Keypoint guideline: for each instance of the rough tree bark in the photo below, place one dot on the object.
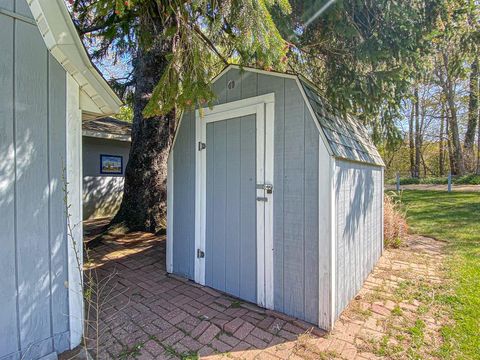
(478, 150)
(472, 118)
(144, 200)
(456, 153)
(451, 159)
(418, 135)
(441, 150)
(411, 142)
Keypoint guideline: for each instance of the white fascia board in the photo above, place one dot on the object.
(62, 40)
(108, 136)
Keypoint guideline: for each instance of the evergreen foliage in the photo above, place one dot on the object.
(203, 34)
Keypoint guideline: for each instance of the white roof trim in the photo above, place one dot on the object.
(62, 40)
(104, 135)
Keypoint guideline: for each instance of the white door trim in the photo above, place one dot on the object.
(263, 107)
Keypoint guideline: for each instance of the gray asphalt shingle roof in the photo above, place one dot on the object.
(346, 136)
(108, 125)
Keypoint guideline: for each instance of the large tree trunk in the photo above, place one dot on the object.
(144, 200)
(472, 118)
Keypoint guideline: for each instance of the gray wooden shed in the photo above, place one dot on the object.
(47, 85)
(274, 198)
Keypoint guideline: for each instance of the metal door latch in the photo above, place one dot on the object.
(201, 146)
(264, 199)
(200, 254)
(267, 187)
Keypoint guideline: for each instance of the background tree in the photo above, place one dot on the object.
(173, 48)
(473, 119)
(402, 68)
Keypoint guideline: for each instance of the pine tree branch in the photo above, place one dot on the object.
(198, 31)
(100, 26)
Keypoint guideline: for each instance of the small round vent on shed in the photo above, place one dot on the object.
(231, 84)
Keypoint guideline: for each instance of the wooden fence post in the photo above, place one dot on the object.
(398, 181)
(449, 181)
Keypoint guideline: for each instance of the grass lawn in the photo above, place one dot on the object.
(454, 218)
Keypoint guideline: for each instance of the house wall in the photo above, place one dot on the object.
(359, 233)
(102, 194)
(295, 195)
(34, 304)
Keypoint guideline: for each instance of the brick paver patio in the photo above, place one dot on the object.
(148, 314)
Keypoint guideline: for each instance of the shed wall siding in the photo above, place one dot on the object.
(33, 260)
(359, 196)
(184, 195)
(102, 194)
(296, 149)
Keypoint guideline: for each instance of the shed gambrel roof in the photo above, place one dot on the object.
(347, 137)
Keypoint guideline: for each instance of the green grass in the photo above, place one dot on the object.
(454, 218)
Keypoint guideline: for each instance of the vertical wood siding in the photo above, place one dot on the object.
(230, 257)
(33, 260)
(296, 149)
(358, 194)
(184, 195)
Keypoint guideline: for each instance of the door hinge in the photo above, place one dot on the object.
(200, 254)
(201, 146)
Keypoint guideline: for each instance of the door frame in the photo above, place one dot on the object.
(263, 107)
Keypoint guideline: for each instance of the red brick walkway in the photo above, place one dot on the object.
(148, 314)
(151, 315)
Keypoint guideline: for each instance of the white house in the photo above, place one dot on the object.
(47, 86)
